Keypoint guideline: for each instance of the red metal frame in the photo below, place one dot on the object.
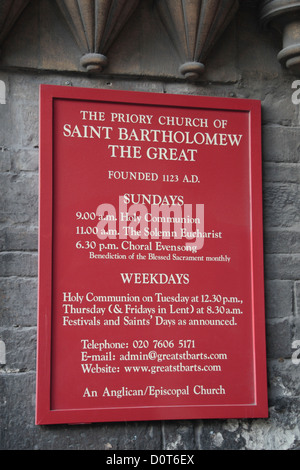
(46, 412)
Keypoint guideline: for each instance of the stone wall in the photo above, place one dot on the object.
(243, 66)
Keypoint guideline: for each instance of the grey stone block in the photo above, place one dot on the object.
(243, 65)
(284, 267)
(281, 240)
(20, 346)
(25, 159)
(279, 338)
(19, 202)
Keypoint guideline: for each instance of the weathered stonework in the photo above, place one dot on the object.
(194, 27)
(284, 15)
(95, 26)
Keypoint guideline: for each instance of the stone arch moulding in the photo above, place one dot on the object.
(194, 26)
(95, 25)
(10, 10)
(284, 16)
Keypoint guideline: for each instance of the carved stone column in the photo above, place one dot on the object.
(95, 25)
(284, 15)
(194, 26)
(10, 11)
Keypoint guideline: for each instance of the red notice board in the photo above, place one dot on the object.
(151, 292)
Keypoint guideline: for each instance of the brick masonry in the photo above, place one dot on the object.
(251, 70)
